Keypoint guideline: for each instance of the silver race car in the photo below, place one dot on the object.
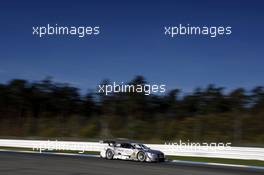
(127, 150)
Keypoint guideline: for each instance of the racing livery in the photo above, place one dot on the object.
(127, 150)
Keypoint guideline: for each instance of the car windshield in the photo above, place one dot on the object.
(141, 146)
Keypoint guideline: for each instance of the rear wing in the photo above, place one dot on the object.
(116, 141)
(109, 142)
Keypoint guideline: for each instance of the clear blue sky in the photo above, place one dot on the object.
(132, 43)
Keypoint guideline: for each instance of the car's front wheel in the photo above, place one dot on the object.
(109, 154)
(141, 156)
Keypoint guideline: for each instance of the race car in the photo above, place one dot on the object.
(127, 150)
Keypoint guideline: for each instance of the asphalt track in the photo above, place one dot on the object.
(38, 164)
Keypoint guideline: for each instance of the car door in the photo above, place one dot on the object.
(125, 149)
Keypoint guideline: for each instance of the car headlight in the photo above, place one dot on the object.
(152, 155)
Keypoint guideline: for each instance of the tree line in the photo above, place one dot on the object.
(50, 109)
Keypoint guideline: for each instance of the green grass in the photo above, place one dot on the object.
(15, 148)
(185, 158)
(218, 160)
(75, 152)
(57, 151)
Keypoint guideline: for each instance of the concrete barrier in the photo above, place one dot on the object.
(175, 150)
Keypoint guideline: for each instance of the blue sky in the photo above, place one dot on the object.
(132, 42)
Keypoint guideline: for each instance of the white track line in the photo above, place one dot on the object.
(217, 164)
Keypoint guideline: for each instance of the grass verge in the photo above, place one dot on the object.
(218, 160)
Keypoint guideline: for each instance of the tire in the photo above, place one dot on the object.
(141, 156)
(109, 154)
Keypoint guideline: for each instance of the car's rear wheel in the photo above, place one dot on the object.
(141, 156)
(109, 154)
